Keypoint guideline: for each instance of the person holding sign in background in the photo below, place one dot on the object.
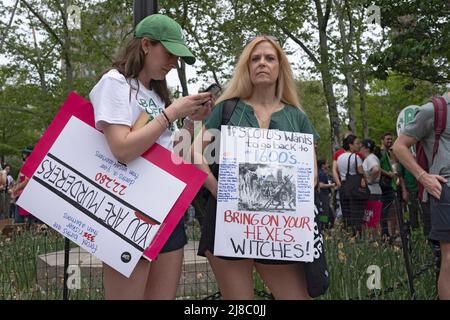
(133, 109)
(266, 98)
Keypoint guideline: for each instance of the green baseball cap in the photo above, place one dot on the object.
(167, 31)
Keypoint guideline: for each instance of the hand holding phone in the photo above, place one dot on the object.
(214, 89)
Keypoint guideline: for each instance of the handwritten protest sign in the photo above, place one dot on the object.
(117, 212)
(265, 204)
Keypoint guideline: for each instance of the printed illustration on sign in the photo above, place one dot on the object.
(267, 188)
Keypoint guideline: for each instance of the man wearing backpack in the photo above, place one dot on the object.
(431, 126)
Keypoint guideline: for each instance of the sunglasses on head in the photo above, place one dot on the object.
(271, 38)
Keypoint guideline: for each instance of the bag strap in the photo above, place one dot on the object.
(440, 122)
(348, 163)
(228, 110)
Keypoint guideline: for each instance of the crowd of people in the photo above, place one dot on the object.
(6, 186)
(10, 191)
(386, 180)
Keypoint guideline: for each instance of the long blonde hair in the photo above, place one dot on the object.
(240, 86)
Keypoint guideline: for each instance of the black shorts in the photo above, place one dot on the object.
(440, 216)
(209, 231)
(177, 239)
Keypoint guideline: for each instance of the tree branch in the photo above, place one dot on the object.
(44, 22)
(204, 53)
(319, 14)
(14, 109)
(8, 26)
(327, 12)
(351, 31)
(300, 43)
(279, 24)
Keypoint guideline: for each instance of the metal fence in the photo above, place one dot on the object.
(36, 262)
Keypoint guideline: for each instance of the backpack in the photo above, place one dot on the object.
(201, 199)
(440, 122)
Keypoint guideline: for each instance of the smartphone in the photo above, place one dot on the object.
(214, 89)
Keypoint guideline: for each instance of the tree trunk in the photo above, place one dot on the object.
(66, 50)
(38, 65)
(181, 70)
(347, 69)
(324, 69)
(362, 82)
(362, 102)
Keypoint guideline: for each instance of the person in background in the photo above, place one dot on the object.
(21, 215)
(410, 189)
(352, 209)
(5, 190)
(372, 170)
(326, 187)
(387, 184)
(436, 182)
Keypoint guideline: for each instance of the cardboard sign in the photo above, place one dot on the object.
(117, 212)
(265, 201)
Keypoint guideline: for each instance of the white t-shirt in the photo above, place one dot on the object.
(369, 162)
(115, 104)
(342, 162)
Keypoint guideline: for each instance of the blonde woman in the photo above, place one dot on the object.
(264, 86)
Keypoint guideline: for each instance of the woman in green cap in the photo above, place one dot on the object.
(136, 87)
(266, 97)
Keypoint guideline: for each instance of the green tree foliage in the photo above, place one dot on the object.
(419, 40)
(313, 102)
(47, 59)
(386, 98)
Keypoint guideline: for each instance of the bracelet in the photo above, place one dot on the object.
(162, 121)
(164, 118)
(165, 115)
(420, 175)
